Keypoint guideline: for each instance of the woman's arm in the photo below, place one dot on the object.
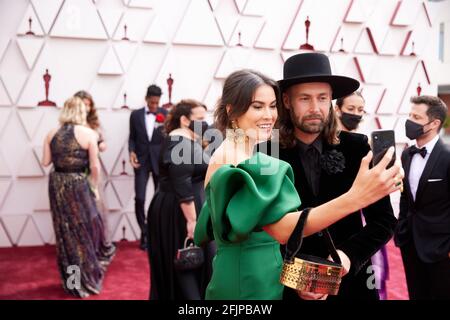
(94, 162)
(188, 209)
(47, 154)
(369, 186)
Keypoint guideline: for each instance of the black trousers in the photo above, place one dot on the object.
(141, 176)
(425, 280)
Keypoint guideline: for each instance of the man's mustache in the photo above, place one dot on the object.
(313, 117)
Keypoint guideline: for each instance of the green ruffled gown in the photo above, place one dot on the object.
(240, 200)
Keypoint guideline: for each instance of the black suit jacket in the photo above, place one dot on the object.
(146, 150)
(357, 242)
(426, 221)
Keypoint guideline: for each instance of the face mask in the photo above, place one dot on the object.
(198, 127)
(350, 121)
(414, 130)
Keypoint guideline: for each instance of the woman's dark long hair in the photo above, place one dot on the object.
(238, 91)
(92, 116)
(182, 108)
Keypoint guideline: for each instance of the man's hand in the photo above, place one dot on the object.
(345, 261)
(134, 160)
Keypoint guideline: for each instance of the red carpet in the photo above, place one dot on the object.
(28, 273)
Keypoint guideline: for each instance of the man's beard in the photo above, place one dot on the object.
(307, 127)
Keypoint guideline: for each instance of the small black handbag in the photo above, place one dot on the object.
(310, 273)
(189, 257)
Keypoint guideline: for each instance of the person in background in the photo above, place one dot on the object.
(350, 112)
(93, 122)
(174, 208)
(423, 232)
(78, 226)
(144, 144)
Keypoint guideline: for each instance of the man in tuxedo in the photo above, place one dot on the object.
(325, 164)
(144, 144)
(423, 231)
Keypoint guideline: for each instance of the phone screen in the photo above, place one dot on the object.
(382, 140)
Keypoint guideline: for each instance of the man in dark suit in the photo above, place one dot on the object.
(144, 144)
(423, 232)
(325, 164)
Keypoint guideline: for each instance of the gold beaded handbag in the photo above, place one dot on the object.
(310, 273)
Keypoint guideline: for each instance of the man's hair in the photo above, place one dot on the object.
(153, 91)
(437, 109)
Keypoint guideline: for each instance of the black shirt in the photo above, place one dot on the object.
(310, 158)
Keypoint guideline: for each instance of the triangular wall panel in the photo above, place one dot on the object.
(30, 166)
(44, 224)
(104, 85)
(111, 200)
(110, 64)
(124, 187)
(136, 23)
(313, 10)
(122, 166)
(156, 33)
(4, 117)
(24, 26)
(42, 203)
(4, 98)
(249, 29)
(366, 43)
(30, 235)
(111, 17)
(4, 168)
(14, 225)
(256, 8)
(79, 19)
(419, 78)
(47, 11)
(195, 32)
(233, 59)
(30, 119)
(125, 52)
(5, 185)
(4, 239)
(13, 71)
(124, 229)
(278, 19)
(31, 48)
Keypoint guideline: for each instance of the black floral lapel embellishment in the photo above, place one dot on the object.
(332, 161)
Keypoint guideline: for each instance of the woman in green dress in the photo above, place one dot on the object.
(251, 202)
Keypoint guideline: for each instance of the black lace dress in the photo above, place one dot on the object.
(82, 252)
(182, 167)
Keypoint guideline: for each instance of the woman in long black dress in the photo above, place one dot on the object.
(177, 202)
(82, 255)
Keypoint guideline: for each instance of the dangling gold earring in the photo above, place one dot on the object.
(236, 134)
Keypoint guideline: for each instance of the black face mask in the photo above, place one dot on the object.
(350, 121)
(198, 127)
(414, 130)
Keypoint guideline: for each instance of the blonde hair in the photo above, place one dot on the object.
(74, 112)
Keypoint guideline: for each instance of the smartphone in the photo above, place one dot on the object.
(382, 140)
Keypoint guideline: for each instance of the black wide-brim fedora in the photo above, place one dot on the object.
(315, 67)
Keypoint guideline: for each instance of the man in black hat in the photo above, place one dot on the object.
(325, 164)
(144, 144)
